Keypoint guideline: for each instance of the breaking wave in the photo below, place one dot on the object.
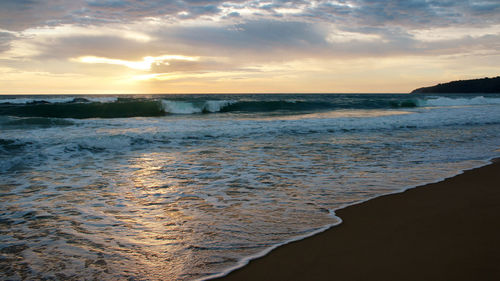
(185, 107)
(113, 107)
(121, 108)
(446, 101)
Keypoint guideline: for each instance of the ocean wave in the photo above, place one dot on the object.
(53, 99)
(260, 179)
(12, 152)
(446, 101)
(185, 107)
(123, 107)
(12, 145)
(143, 132)
(34, 122)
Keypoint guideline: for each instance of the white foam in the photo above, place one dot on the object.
(217, 105)
(175, 129)
(102, 99)
(446, 101)
(88, 146)
(183, 107)
(243, 262)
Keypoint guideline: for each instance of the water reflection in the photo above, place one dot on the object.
(182, 207)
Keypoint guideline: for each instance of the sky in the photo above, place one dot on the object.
(240, 46)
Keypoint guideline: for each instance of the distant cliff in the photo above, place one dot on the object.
(484, 85)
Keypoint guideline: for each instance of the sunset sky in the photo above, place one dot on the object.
(216, 46)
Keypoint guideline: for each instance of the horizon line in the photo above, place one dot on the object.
(209, 93)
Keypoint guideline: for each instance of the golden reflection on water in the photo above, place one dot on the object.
(181, 227)
(159, 227)
(346, 113)
(147, 166)
(177, 198)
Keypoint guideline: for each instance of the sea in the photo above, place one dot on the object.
(190, 187)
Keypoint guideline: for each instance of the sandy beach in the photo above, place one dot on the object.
(442, 231)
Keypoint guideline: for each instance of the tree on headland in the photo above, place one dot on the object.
(483, 85)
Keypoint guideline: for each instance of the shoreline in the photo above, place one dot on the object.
(318, 255)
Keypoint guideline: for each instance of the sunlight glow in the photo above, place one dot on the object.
(117, 46)
(145, 64)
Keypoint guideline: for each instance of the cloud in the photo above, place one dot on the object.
(5, 39)
(238, 36)
(258, 41)
(145, 64)
(266, 38)
(423, 13)
(17, 15)
(99, 46)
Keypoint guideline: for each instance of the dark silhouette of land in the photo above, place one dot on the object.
(483, 85)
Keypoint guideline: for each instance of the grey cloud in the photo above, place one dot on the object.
(491, 7)
(255, 37)
(234, 14)
(5, 39)
(17, 5)
(256, 41)
(100, 46)
(128, 10)
(423, 13)
(21, 14)
(268, 37)
(252, 41)
(464, 45)
(107, 3)
(397, 42)
(203, 2)
(194, 12)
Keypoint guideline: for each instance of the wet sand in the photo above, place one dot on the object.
(443, 231)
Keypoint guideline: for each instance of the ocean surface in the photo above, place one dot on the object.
(186, 187)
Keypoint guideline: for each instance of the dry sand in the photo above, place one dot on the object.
(444, 231)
